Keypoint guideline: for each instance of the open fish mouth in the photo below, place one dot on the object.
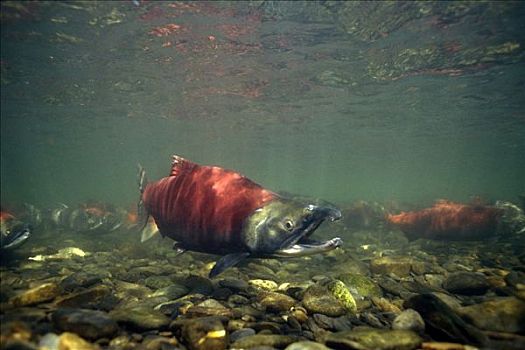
(309, 247)
(299, 243)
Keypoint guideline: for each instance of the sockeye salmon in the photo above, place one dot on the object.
(218, 211)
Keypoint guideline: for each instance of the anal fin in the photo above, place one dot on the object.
(226, 262)
(149, 230)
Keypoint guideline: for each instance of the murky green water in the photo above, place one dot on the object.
(89, 89)
(378, 107)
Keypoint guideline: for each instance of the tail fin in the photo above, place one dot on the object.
(142, 213)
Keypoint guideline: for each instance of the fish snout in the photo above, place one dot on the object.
(325, 211)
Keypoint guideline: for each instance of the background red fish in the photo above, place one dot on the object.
(448, 220)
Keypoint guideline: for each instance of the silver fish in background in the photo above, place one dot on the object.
(91, 217)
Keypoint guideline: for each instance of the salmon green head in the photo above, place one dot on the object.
(281, 228)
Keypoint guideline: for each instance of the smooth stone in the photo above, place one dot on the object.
(268, 285)
(443, 323)
(395, 288)
(318, 299)
(360, 286)
(86, 298)
(140, 317)
(399, 265)
(79, 279)
(40, 294)
(372, 338)
(385, 305)
(234, 284)
(157, 342)
(71, 341)
(445, 346)
(205, 333)
(466, 283)
(24, 314)
(241, 333)
(306, 345)
(174, 291)
(499, 315)
(133, 290)
(209, 307)
(276, 302)
(409, 320)
(237, 299)
(89, 324)
(198, 284)
(343, 295)
(342, 323)
(157, 282)
(516, 279)
(273, 340)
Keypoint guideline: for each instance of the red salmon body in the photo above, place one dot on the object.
(203, 206)
(448, 220)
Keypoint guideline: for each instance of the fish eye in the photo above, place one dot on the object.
(288, 225)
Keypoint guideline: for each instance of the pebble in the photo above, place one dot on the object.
(268, 285)
(141, 318)
(499, 315)
(276, 302)
(409, 320)
(234, 284)
(306, 345)
(343, 295)
(173, 291)
(360, 286)
(205, 333)
(466, 283)
(71, 341)
(318, 299)
(42, 293)
(90, 324)
(241, 333)
(372, 338)
(89, 298)
(397, 265)
(273, 340)
(79, 279)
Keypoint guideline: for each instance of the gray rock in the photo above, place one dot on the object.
(276, 302)
(234, 284)
(90, 324)
(441, 322)
(93, 298)
(397, 265)
(306, 345)
(198, 284)
(372, 338)
(274, 340)
(174, 291)
(409, 320)
(79, 279)
(241, 333)
(500, 315)
(42, 293)
(205, 333)
(157, 282)
(140, 317)
(466, 283)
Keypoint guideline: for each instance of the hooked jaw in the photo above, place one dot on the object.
(298, 244)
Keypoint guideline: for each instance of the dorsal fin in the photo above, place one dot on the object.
(179, 165)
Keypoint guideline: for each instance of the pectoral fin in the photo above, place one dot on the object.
(227, 261)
